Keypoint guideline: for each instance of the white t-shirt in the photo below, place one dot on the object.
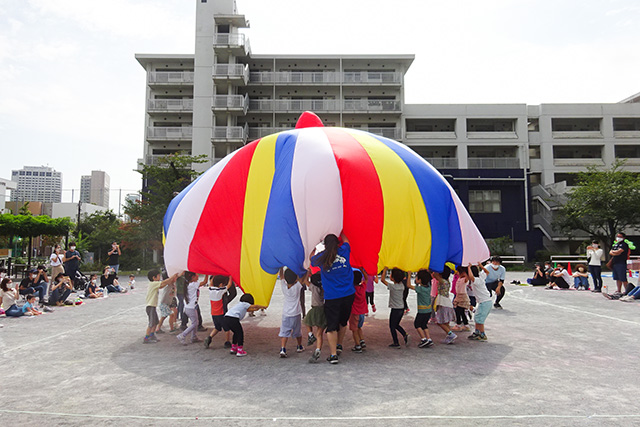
(192, 292)
(8, 298)
(216, 294)
(239, 310)
(56, 260)
(565, 275)
(291, 304)
(480, 288)
(595, 257)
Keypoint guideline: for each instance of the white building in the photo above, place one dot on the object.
(5, 185)
(94, 188)
(502, 159)
(37, 184)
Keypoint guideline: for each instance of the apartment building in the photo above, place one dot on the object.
(37, 184)
(94, 188)
(506, 161)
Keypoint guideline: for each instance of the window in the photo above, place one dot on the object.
(485, 201)
(534, 151)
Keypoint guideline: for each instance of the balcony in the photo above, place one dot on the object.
(391, 133)
(443, 162)
(237, 72)
(430, 135)
(294, 105)
(372, 78)
(236, 44)
(493, 163)
(170, 105)
(371, 105)
(295, 77)
(261, 132)
(627, 134)
(169, 133)
(230, 134)
(170, 78)
(579, 134)
(578, 162)
(492, 135)
(231, 103)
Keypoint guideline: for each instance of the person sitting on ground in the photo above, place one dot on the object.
(633, 294)
(548, 270)
(560, 278)
(132, 281)
(28, 308)
(92, 290)
(581, 278)
(29, 285)
(60, 290)
(108, 281)
(8, 298)
(539, 277)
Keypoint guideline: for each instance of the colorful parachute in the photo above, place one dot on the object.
(268, 205)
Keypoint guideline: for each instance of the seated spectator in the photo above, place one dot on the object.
(33, 283)
(92, 290)
(60, 290)
(539, 278)
(560, 278)
(581, 278)
(109, 281)
(633, 294)
(28, 308)
(548, 270)
(8, 297)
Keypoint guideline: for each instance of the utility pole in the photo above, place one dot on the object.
(79, 207)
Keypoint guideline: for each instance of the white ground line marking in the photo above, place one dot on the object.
(70, 331)
(399, 417)
(590, 313)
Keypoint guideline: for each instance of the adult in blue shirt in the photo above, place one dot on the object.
(495, 279)
(337, 282)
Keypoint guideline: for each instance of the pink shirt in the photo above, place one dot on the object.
(370, 284)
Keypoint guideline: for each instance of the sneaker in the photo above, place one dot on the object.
(47, 309)
(181, 339)
(425, 343)
(241, 353)
(373, 307)
(153, 338)
(394, 345)
(363, 344)
(456, 328)
(473, 335)
(596, 290)
(333, 359)
(283, 353)
(311, 339)
(406, 339)
(315, 356)
(496, 305)
(234, 349)
(482, 337)
(339, 349)
(195, 340)
(607, 296)
(207, 342)
(201, 328)
(357, 349)
(227, 344)
(465, 328)
(299, 349)
(450, 338)
(146, 340)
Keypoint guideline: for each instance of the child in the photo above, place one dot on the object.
(61, 290)
(483, 299)
(191, 307)
(132, 282)
(423, 289)
(28, 308)
(358, 310)
(461, 303)
(291, 310)
(219, 287)
(92, 289)
(396, 304)
(232, 320)
(167, 295)
(444, 306)
(155, 284)
(370, 289)
(315, 317)
(581, 278)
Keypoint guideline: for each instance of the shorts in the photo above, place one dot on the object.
(165, 310)
(291, 327)
(482, 311)
(421, 320)
(316, 317)
(356, 321)
(218, 322)
(620, 272)
(337, 311)
(152, 314)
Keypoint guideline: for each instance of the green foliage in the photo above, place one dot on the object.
(501, 246)
(97, 231)
(32, 226)
(602, 203)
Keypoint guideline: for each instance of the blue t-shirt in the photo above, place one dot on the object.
(26, 306)
(338, 281)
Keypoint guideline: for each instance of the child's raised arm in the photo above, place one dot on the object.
(204, 281)
(383, 277)
(409, 284)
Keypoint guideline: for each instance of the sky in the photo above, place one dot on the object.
(72, 94)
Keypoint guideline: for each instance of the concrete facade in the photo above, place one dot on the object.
(94, 188)
(5, 185)
(37, 184)
(501, 158)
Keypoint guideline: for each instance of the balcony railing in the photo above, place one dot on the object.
(372, 77)
(392, 133)
(168, 105)
(430, 135)
(169, 133)
(578, 162)
(231, 71)
(295, 77)
(492, 135)
(589, 134)
(493, 163)
(261, 132)
(370, 105)
(231, 102)
(230, 133)
(293, 105)
(231, 41)
(443, 162)
(170, 77)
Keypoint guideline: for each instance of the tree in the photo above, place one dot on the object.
(602, 203)
(162, 182)
(98, 231)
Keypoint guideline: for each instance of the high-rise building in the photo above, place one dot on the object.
(94, 188)
(37, 184)
(505, 160)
